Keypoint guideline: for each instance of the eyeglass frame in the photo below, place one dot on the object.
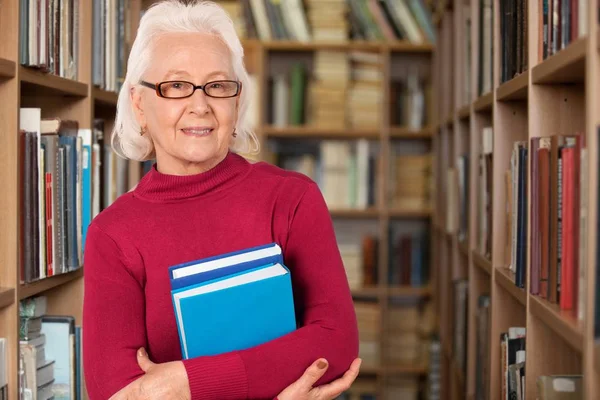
(156, 87)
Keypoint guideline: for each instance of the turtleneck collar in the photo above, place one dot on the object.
(156, 186)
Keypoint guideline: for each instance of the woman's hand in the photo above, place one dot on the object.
(303, 388)
(166, 381)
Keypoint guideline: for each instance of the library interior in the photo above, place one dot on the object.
(473, 274)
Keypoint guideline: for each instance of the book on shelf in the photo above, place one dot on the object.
(513, 38)
(409, 255)
(461, 298)
(560, 23)
(368, 316)
(360, 261)
(484, 194)
(486, 47)
(410, 101)
(111, 42)
(512, 362)
(209, 292)
(49, 36)
(335, 20)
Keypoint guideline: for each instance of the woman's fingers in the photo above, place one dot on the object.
(313, 373)
(332, 390)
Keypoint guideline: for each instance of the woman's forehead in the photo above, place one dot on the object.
(194, 53)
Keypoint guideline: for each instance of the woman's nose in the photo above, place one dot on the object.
(199, 102)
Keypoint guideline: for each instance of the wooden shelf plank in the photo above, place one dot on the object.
(400, 132)
(341, 213)
(7, 297)
(566, 66)
(405, 369)
(396, 46)
(506, 279)
(562, 323)
(34, 82)
(464, 112)
(483, 263)
(409, 291)
(484, 103)
(320, 133)
(7, 68)
(463, 247)
(105, 97)
(373, 291)
(514, 89)
(410, 213)
(43, 285)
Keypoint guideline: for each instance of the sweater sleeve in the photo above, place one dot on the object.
(327, 320)
(113, 316)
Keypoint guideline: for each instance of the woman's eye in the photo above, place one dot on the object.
(216, 86)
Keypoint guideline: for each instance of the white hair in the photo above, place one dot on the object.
(174, 16)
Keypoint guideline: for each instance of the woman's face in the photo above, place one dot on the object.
(193, 134)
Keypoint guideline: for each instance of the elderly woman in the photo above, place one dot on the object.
(184, 102)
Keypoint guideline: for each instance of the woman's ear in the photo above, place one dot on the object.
(136, 102)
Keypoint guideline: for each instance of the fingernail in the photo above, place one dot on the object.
(321, 364)
(142, 352)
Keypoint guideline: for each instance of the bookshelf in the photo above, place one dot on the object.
(553, 94)
(81, 100)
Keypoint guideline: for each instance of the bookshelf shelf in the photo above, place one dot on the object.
(43, 285)
(7, 68)
(105, 97)
(368, 213)
(514, 89)
(463, 246)
(374, 291)
(7, 297)
(566, 66)
(506, 279)
(409, 213)
(400, 132)
(408, 291)
(405, 369)
(482, 262)
(320, 132)
(398, 46)
(464, 112)
(562, 323)
(484, 103)
(37, 83)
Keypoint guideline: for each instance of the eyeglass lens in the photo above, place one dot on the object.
(178, 89)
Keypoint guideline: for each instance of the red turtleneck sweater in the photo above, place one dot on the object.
(168, 220)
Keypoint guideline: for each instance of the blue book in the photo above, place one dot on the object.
(198, 271)
(233, 301)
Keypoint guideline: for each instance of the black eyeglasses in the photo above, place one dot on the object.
(182, 89)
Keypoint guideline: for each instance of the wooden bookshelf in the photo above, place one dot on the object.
(7, 68)
(397, 46)
(514, 89)
(46, 284)
(408, 291)
(368, 213)
(562, 323)
(481, 262)
(35, 83)
(506, 279)
(566, 66)
(399, 132)
(7, 297)
(304, 132)
(559, 95)
(409, 213)
(104, 97)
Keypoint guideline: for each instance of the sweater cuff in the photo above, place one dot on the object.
(221, 378)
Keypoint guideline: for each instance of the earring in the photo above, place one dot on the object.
(234, 134)
(142, 131)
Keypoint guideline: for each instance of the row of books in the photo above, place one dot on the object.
(563, 21)
(514, 38)
(408, 260)
(486, 47)
(49, 353)
(68, 175)
(333, 20)
(111, 35)
(512, 358)
(49, 36)
(410, 101)
(558, 216)
(483, 349)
